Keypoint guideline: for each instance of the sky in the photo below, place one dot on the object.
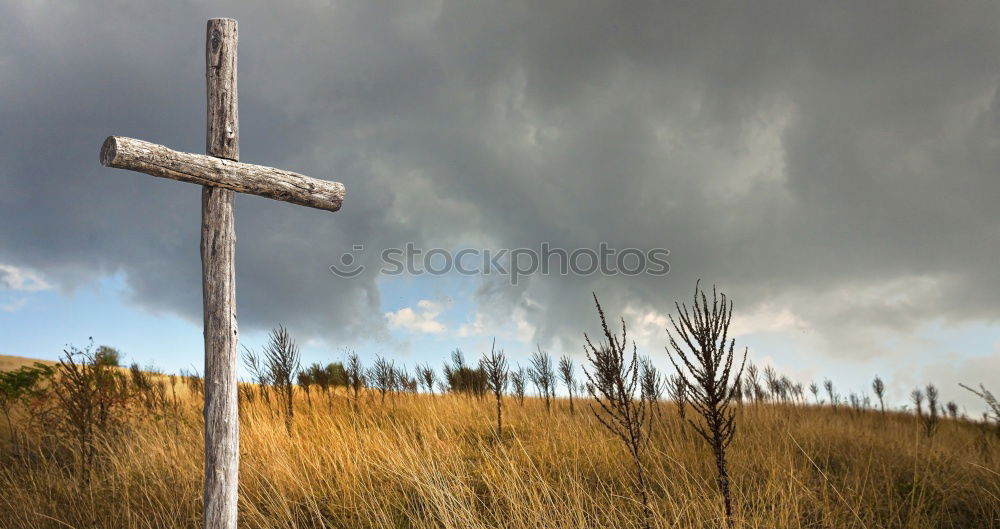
(832, 167)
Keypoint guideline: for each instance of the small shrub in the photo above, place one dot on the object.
(90, 397)
(107, 356)
(461, 378)
(19, 386)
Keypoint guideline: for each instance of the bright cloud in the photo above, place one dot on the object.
(421, 320)
(23, 279)
(766, 318)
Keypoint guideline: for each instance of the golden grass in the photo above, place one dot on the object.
(10, 363)
(434, 461)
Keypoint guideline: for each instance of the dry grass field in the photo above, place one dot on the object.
(9, 363)
(418, 460)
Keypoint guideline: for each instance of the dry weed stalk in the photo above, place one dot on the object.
(427, 377)
(878, 386)
(708, 361)
(994, 414)
(612, 381)
(677, 388)
(651, 382)
(834, 398)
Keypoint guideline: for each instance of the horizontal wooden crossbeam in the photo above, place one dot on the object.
(157, 160)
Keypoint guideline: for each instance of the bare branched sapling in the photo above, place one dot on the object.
(568, 378)
(752, 383)
(834, 398)
(305, 380)
(952, 410)
(917, 398)
(495, 366)
(932, 417)
(259, 373)
(427, 377)
(281, 356)
(382, 376)
(518, 380)
(355, 372)
(814, 389)
(542, 375)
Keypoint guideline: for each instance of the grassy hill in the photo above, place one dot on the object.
(8, 362)
(419, 460)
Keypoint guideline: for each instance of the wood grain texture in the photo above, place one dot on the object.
(218, 243)
(277, 184)
(223, 138)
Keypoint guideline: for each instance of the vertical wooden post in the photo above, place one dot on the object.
(218, 240)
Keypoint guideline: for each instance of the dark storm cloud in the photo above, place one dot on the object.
(836, 159)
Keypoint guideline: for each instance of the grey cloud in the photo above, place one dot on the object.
(788, 151)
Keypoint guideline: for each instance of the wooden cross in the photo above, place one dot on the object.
(220, 174)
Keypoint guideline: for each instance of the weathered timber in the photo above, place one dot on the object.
(223, 138)
(218, 245)
(220, 173)
(157, 160)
